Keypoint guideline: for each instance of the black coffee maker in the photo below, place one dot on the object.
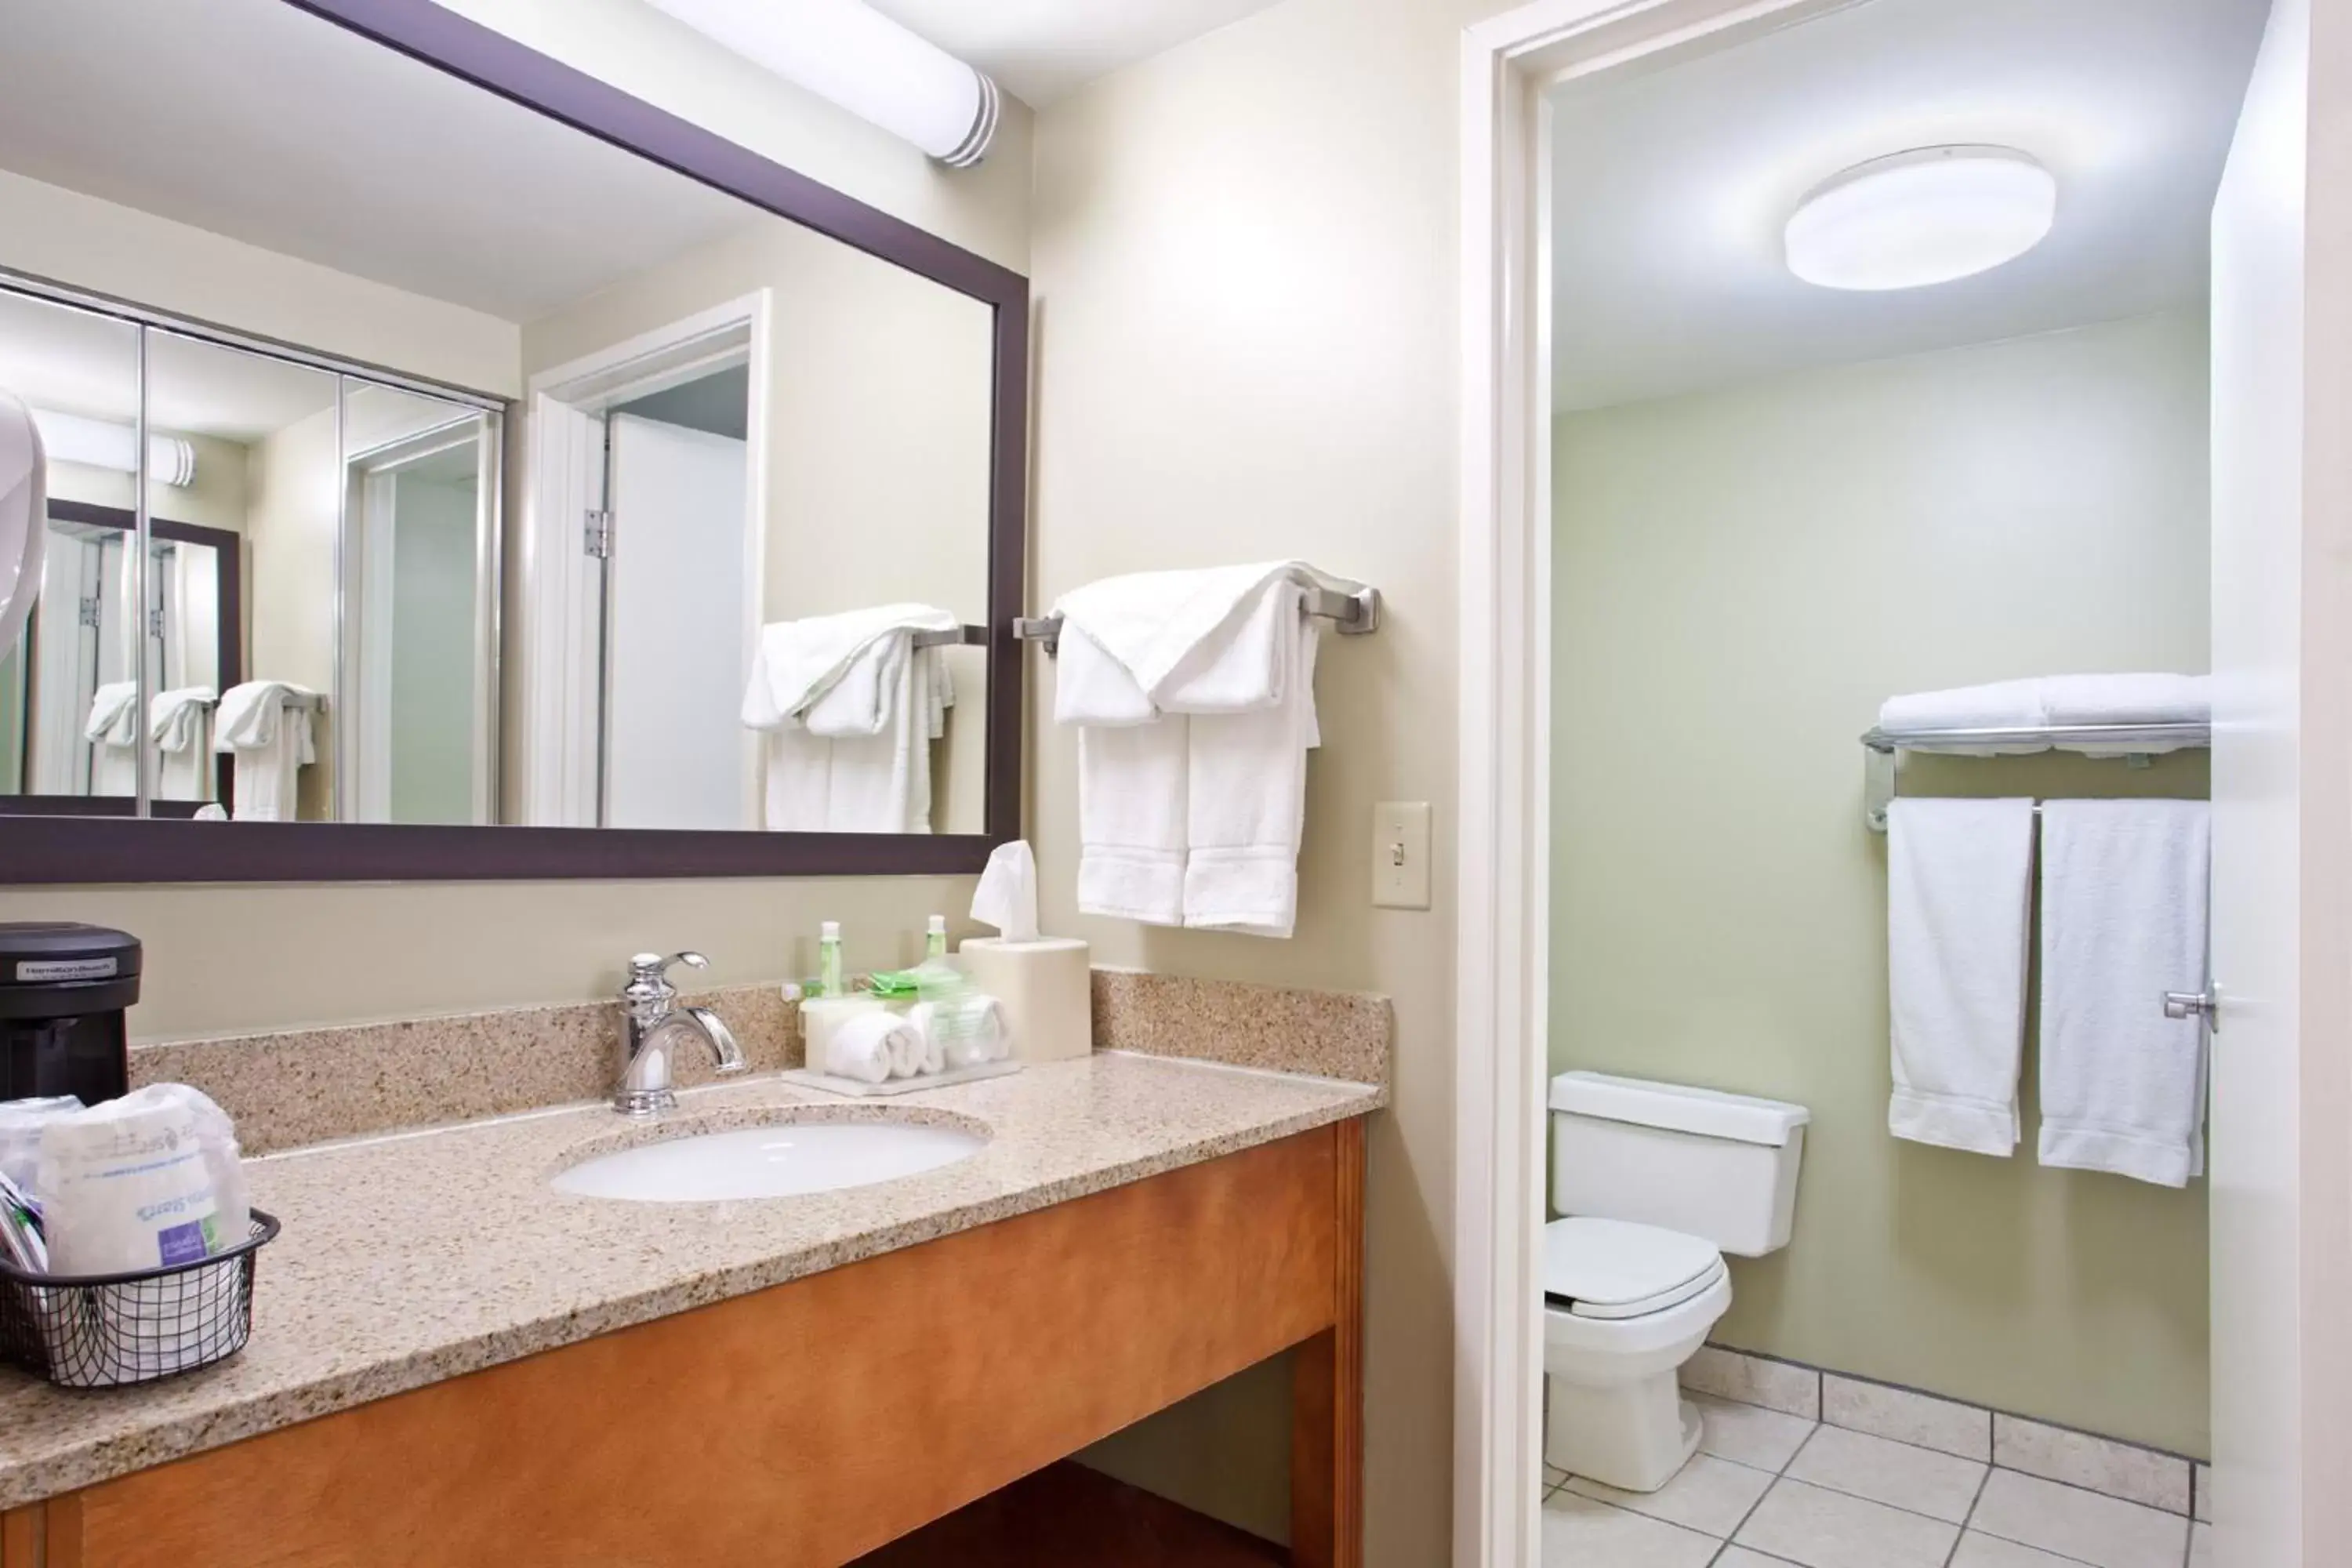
(63, 989)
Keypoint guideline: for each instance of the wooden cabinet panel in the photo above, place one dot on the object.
(810, 1423)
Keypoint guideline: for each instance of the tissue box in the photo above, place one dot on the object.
(1047, 989)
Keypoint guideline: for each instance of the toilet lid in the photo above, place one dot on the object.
(1614, 1269)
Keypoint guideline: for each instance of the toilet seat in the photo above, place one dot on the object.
(1613, 1270)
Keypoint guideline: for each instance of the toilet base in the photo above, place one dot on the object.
(1631, 1435)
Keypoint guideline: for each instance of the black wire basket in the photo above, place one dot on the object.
(103, 1330)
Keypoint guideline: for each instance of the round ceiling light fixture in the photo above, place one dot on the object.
(1927, 215)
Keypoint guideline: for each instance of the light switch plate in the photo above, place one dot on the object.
(1401, 855)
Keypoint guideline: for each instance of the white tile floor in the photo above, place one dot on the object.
(1769, 1489)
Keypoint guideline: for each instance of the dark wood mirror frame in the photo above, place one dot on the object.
(62, 850)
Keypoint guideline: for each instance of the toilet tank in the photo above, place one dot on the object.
(1721, 1166)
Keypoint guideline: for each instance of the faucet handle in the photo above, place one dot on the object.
(653, 966)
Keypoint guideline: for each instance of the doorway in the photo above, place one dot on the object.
(2265, 1430)
(641, 602)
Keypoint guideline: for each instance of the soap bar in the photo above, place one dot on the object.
(1047, 990)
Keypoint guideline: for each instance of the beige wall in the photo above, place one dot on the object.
(290, 580)
(1247, 348)
(667, 63)
(1742, 575)
(215, 501)
(880, 409)
(70, 237)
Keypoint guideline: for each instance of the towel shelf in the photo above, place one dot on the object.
(1880, 747)
(960, 636)
(1357, 614)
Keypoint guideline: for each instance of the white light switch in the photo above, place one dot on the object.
(1401, 855)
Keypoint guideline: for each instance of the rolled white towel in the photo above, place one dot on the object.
(866, 1048)
(968, 1031)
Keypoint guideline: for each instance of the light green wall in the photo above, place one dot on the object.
(1742, 575)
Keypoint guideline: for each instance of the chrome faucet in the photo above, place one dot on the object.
(649, 1016)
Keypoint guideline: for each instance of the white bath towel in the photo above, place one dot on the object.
(798, 661)
(1958, 888)
(2003, 705)
(1196, 694)
(112, 731)
(265, 725)
(2076, 701)
(850, 732)
(180, 726)
(2057, 702)
(1245, 797)
(2124, 886)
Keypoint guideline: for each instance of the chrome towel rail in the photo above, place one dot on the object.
(1880, 747)
(1357, 615)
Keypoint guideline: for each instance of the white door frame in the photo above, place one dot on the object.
(1509, 64)
(558, 602)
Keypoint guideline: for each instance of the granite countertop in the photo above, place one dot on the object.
(411, 1258)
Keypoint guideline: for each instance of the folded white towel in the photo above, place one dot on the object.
(966, 1032)
(113, 714)
(2077, 700)
(112, 731)
(867, 1047)
(1958, 886)
(265, 726)
(798, 661)
(2003, 705)
(179, 728)
(2124, 886)
(850, 706)
(2057, 702)
(1196, 694)
(1245, 799)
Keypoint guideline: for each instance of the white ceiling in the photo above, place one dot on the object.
(1039, 50)
(253, 120)
(1672, 185)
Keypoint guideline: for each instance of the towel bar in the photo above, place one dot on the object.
(1358, 614)
(962, 636)
(1880, 747)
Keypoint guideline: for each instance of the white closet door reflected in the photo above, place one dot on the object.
(675, 738)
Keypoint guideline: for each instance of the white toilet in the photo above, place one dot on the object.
(1658, 1181)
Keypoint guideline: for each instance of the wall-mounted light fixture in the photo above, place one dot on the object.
(102, 443)
(852, 56)
(1927, 216)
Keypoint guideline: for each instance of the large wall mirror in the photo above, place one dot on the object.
(456, 467)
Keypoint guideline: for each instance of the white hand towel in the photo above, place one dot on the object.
(2124, 886)
(1959, 889)
(1155, 623)
(112, 731)
(862, 699)
(113, 714)
(797, 662)
(1092, 688)
(179, 728)
(1132, 787)
(1195, 692)
(866, 1047)
(272, 741)
(1246, 799)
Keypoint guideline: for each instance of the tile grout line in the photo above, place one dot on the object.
(1982, 1482)
(2029, 1475)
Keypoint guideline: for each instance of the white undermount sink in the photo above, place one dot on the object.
(772, 1162)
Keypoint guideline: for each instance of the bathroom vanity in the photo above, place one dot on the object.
(453, 1362)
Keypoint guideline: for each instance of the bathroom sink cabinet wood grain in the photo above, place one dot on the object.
(805, 1424)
